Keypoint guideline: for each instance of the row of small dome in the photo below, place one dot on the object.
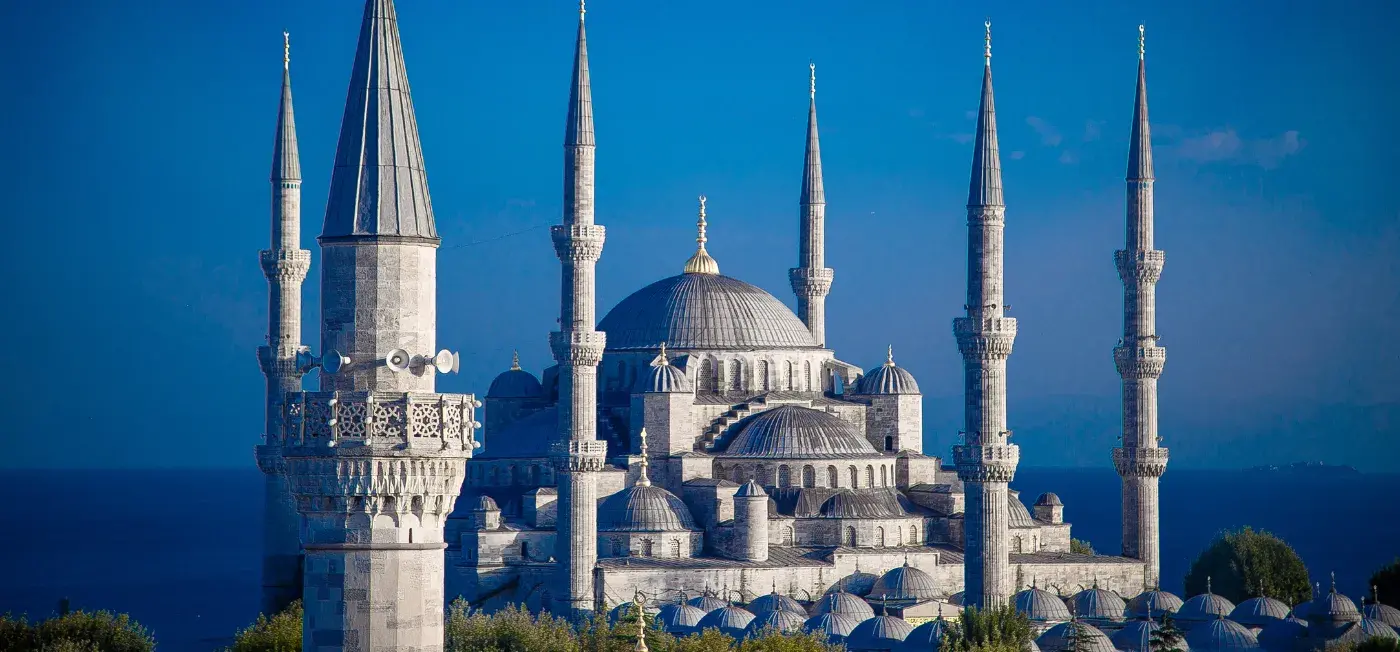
(663, 378)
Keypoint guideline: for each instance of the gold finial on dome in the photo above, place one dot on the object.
(641, 624)
(661, 360)
(889, 356)
(701, 262)
(515, 361)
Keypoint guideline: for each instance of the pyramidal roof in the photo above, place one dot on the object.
(378, 186)
(286, 162)
(1140, 147)
(985, 187)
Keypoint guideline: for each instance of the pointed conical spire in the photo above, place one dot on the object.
(985, 188)
(812, 190)
(1140, 148)
(579, 129)
(286, 162)
(379, 187)
(701, 262)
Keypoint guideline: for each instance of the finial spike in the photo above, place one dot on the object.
(642, 479)
(701, 262)
(581, 10)
(1142, 42)
(889, 355)
(988, 52)
(1334, 581)
(813, 66)
(515, 361)
(1208, 584)
(286, 51)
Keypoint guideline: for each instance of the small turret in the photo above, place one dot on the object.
(750, 523)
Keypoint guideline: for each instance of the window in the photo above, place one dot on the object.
(884, 480)
(761, 375)
(787, 535)
(899, 535)
(879, 537)
(889, 443)
(707, 376)
(833, 478)
(851, 536)
(784, 476)
(736, 474)
(914, 534)
(869, 477)
(646, 547)
(809, 476)
(791, 376)
(855, 478)
(617, 548)
(736, 376)
(1016, 544)
(676, 548)
(807, 376)
(525, 550)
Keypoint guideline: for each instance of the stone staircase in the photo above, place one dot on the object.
(721, 424)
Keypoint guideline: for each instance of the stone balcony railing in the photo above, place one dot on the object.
(384, 420)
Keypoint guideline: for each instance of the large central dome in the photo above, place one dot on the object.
(705, 312)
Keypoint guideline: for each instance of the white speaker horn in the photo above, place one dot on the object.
(333, 361)
(398, 360)
(445, 361)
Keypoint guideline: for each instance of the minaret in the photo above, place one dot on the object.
(811, 279)
(376, 459)
(578, 348)
(285, 265)
(1140, 461)
(986, 461)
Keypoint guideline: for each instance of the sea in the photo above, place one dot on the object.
(178, 550)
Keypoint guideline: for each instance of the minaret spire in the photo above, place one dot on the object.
(578, 348)
(1140, 361)
(986, 463)
(285, 265)
(811, 279)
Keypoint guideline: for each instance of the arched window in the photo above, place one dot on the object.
(869, 477)
(676, 548)
(736, 376)
(761, 376)
(1015, 544)
(787, 535)
(855, 478)
(646, 547)
(784, 476)
(617, 548)
(510, 475)
(493, 476)
(833, 479)
(807, 376)
(850, 536)
(809, 476)
(899, 536)
(706, 382)
(914, 534)
(884, 480)
(889, 443)
(879, 537)
(737, 474)
(525, 550)
(791, 376)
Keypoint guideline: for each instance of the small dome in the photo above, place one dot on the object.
(857, 584)
(515, 383)
(957, 598)
(793, 432)
(1384, 613)
(1048, 500)
(881, 633)
(905, 583)
(1059, 638)
(840, 602)
(707, 603)
(1258, 612)
(485, 503)
(1041, 606)
(1159, 602)
(1018, 516)
(780, 620)
(1098, 604)
(836, 626)
(1282, 635)
(1333, 609)
(887, 379)
(1205, 607)
(774, 602)
(679, 618)
(750, 489)
(644, 508)
(1221, 635)
(1367, 628)
(927, 637)
(729, 620)
(1136, 636)
(665, 379)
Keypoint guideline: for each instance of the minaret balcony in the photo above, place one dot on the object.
(1140, 462)
(986, 462)
(371, 423)
(581, 455)
(578, 243)
(1139, 265)
(1140, 362)
(811, 281)
(286, 265)
(989, 338)
(578, 348)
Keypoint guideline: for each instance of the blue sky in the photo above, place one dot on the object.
(139, 135)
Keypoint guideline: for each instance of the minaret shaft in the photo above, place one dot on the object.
(986, 462)
(811, 279)
(1140, 461)
(578, 348)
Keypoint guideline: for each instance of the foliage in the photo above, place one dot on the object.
(77, 631)
(280, 633)
(1078, 636)
(1168, 637)
(1373, 644)
(1239, 562)
(774, 641)
(1387, 582)
(999, 629)
(513, 629)
(710, 640)
(1081, 547)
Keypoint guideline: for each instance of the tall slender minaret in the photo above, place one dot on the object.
(578, 348)
(375, 460)
(1140, 461)
(285, 265)
(986, 462)
(811, 279)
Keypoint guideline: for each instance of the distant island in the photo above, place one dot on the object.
(1309, 468)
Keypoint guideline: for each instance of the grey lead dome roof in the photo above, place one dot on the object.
(644, 508)
(515, 383)
(792, 432)
(888, 378)
(705, 312)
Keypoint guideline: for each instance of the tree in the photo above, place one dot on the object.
(76, 631)
(513, 628)
(1168, 637)
(280, 633)
(1387, 583)
(710, 640)
(1081, 547)
(1378, 644)
(773, 641)
(998, 629)
(1239, 562)
(1078, 637)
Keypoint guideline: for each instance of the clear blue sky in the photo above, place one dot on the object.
(137, 139)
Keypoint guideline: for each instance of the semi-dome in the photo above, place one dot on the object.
(1258, 612)
(794, 432)
(780, 620)
(840, 602)
(679, 618)
(887, 378)
(927, 637)
(1282, 635)
(775, 602)
(515, 383)
(708, 312)
(1383, 612)
(836, 626)
(707, 603)
(729, 620)
(1041, 606)
(905, 583)
(644, 508)
(847, 503)
(1157, 602)
(1018, 515)
(1060, 637)
(1136, 636)
(1206, 607)
(1098, 604)
(1221, 635)
(878, 634)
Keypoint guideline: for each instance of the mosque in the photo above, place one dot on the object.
(699, 450)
